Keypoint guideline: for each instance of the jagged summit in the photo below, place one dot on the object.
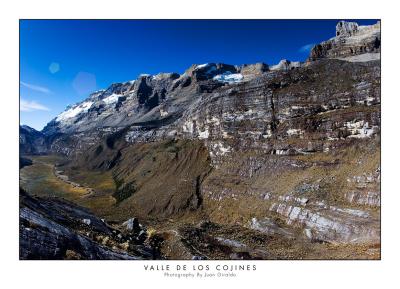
(344, 28)
(352, 43)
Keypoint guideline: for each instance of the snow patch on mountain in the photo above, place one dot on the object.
(229, 77)
(200, 66)
(208, 67)
(112, 98)
(74, 111)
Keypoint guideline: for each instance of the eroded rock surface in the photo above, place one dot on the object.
(55, 229)
(350, 40)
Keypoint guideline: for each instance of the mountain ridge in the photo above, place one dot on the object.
(119, 94)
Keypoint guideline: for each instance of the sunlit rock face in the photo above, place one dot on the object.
(351, 40)
(285, 64)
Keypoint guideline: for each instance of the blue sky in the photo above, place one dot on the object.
(62, 61)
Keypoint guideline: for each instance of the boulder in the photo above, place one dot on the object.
(132, 225)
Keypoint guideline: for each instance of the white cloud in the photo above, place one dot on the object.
(306, 48)
(35, 87)
(26, 105)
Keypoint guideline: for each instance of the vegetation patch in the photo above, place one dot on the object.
(123, 191)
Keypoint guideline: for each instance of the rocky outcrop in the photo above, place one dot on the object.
(350, 40)
(56, 229)
(365, 189)
(364, 198)
(346, 29)
(286, 65)
(329, 223)
(250, 71)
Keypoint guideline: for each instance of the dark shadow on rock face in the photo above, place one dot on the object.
(56, 229)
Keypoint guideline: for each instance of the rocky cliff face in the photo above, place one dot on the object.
(351, 41)
(291, 149)
(55, 229)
